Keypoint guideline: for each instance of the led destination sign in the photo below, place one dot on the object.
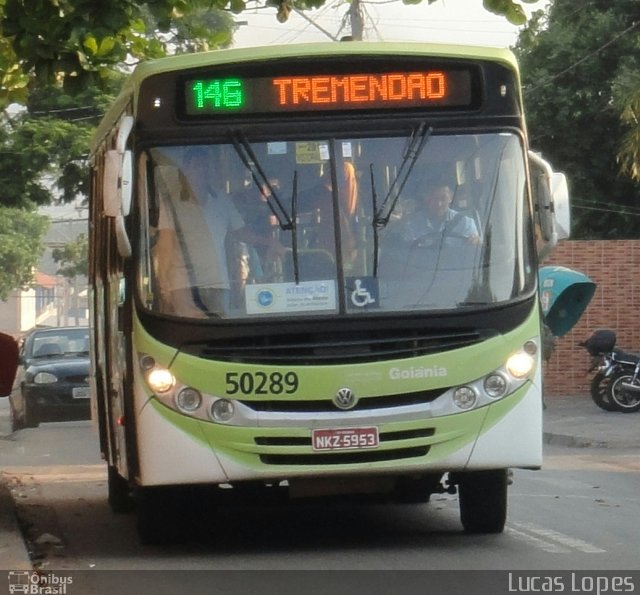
(435, 88)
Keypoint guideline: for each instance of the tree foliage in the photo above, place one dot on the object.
(81, 42)
(21, 235)
(64, 62)
(629, 153)
(42, 162)
(576, 62)
(73, 258)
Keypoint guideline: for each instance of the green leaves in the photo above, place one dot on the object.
(77, 42)
(629, 153)
(237, 6)
(511, 10)
(21, 235)
(74, 41)
(573, 62)
(106, 46)
(73, 257)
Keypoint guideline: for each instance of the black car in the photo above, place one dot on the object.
(52, 383)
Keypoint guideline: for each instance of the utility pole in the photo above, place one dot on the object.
(357, 20)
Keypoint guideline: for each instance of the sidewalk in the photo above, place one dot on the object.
(577, 421)
(568, 421)
(13, 552)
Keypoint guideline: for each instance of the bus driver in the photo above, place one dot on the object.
(437, 224)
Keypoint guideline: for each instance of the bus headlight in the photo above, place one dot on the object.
(520, 364)
(495, 385)
(160, 380)
(222, 410)
(464, 397)
(188, 400)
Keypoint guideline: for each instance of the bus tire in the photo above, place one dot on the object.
(119, 494)
(483, 500)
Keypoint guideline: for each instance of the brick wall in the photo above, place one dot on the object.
(614, 267)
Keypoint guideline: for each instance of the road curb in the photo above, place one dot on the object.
(13, 552)
(584, 442)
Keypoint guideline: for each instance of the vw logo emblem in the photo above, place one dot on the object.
(345, 399)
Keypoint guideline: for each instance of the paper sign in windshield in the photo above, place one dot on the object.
(278, 298)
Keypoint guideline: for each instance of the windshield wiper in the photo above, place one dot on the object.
(285, 221)
(376, 226)
(416, 143)
(260, 179)
(294, 228)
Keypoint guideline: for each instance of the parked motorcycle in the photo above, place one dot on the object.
(615, 385)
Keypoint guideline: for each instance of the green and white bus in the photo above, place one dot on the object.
(273, 303)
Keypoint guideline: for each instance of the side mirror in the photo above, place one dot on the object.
(124, 130)
(111, 175)
(561, 206)
(550, 201)
(122, 238)
(126, 183)
(117, 184)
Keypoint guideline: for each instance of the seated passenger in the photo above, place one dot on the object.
(196, 221)
(318, 201)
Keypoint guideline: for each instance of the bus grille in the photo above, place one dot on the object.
(345, 458)
(339, 347)
(365, 403)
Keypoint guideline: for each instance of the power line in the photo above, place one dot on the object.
(312, 22)
(583, 59)
(622, 211)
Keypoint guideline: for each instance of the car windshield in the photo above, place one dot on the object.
(59, 343)
(415, 222)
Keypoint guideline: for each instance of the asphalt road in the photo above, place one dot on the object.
(579, 513)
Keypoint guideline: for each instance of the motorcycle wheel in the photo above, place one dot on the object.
(600, 386)
(623, 399)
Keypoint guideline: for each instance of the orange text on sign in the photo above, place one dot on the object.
(360, 88)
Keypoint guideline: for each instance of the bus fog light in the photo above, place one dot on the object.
(222, 410)
(188, 400)
(147, 362)
(495, 386)
(464, 397)
(520, 364)
(160, 380)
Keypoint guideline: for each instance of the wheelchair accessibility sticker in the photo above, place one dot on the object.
(362, 292)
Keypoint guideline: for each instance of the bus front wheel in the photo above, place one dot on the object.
(483, 500)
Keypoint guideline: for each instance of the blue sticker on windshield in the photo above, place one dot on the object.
(362, 292)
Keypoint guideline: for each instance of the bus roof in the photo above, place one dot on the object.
(129, 92)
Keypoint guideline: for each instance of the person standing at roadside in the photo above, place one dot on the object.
(8, 363)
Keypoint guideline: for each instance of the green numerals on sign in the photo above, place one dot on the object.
(217, 94)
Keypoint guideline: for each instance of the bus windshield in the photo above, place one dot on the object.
(414, 222)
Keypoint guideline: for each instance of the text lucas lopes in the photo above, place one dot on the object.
(572, 582)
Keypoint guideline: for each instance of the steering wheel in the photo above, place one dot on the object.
(435, 239)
